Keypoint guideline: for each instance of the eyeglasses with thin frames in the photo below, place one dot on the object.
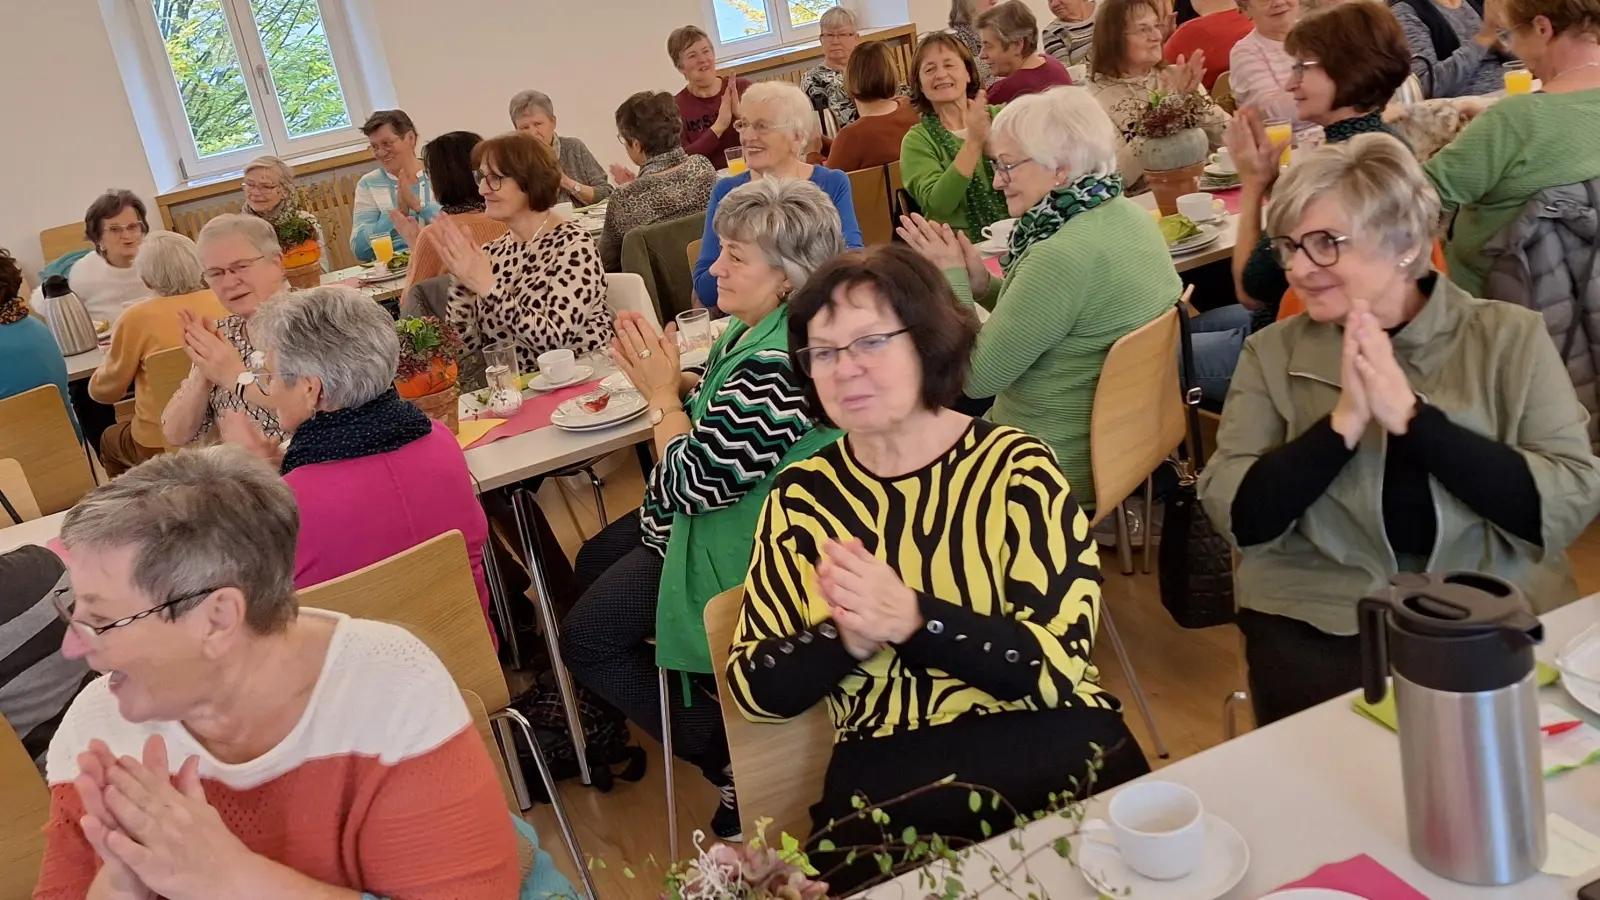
(261, 187)
(65, 603)
(754, 126)
(1004, 169)
(1321, 247)
(838, 35)
(118, 231)
(817, 360)
(1298, 69)
(236, 269)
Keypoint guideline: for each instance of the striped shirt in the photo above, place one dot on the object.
(1068, 42)
(997, 549)
(37, 683)
(757, 415)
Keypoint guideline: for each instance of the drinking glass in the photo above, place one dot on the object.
(502, 373)
(736, 163)
(383, 248)
(1281, 131)
(1518, 79)
(694, 330)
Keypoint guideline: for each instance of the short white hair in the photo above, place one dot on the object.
(528, 101)
(794, 223)
(792, 109)
(170, 264)
(334, 333)
(1062, 128)
(1376, 181)
(252, 228)
(838, 17)
(274, 165)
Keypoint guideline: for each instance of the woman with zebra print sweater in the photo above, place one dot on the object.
(721, 438)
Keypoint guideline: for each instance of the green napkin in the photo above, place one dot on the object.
(1383, 713)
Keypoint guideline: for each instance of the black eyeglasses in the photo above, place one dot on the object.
(822, 359)
(481, 177)
(66, 602)
(1321, 247)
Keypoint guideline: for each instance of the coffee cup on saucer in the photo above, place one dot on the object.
(1222, 161)
(1201, 207)
(1157, 827)
(558, 366)
(1000, 232)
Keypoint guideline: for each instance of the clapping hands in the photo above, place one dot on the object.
(1184, 77)
(871, 606)
(464, 257)
(1374, 387)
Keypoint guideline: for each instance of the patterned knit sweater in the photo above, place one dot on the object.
(383, 787)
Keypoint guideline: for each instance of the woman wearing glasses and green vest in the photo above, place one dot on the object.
(721, 438)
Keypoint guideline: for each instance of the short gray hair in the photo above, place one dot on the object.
(1377, 182)
(793, 109)
(527, 101)
(1013, 23)
(838, 17)
(334, 333)
(170, 264)
(792, 221)
(252, 228)
(199, 520)
(275, 165)
(1062, 128)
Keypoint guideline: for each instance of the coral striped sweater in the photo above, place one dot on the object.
(383, 787)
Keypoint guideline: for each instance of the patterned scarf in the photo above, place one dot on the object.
(659, 163)
(985, 205)
(457, 209)
(1055, 208)
(12, 310)
(1344, 130)
(380, 425)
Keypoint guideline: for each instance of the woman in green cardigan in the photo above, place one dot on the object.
(941, 157)
(721, 438)
(1086, 266)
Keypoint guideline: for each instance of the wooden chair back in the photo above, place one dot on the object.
(1138, 414)
(428, 590)
(625, 290)
(164, 372)
(26, 807)
(869, 190)
(14, 485)
(36, 431)
(63, 239)
(1222, 94)
(480, 719)
(693, 252)
(779, 767)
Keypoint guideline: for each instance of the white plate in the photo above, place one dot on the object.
(542, 384)
(617, 383)
(693, 358)
(1226, 861)
(1311, 894)
(1191, 244)
(379, 277)
(1215, 172)
(1579, 664)
(573, 417)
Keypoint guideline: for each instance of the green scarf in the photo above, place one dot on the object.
(1055, 208)
(985, 205)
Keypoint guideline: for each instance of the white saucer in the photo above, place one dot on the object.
(1194, 242)
(1215, 172)
(1226, 861)
(1311, 894)
(543, 384)
(617, 383)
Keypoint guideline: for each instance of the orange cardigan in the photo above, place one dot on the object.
(427, 262)
(1291, 305)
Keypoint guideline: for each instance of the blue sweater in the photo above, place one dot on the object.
(29, 358)
(833, 183)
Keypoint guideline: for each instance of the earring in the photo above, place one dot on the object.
(1404, 263)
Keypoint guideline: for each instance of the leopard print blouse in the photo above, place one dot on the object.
(548, 295)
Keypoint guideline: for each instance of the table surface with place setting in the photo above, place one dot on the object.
(1316, 802)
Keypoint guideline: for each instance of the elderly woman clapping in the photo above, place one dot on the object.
(583, 181)
(776, 127)
(1399, 425)
(169, 263)
(243, 264)
(238, 745)
(719, 439)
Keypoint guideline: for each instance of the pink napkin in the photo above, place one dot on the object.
(535, 413)
(1359, 875)
(351, 282)
(1229, 198)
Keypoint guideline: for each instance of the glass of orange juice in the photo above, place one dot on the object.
(1518, 79)
(1280, 131)
(736, 163)
(383, 248)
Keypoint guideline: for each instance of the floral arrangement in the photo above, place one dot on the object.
(294, 228)
(1164, 114)
(429, 353)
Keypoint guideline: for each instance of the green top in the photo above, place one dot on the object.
(1068, 299)
(1517, 148)
(934, 183)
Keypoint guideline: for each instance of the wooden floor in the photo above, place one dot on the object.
(1185, 674)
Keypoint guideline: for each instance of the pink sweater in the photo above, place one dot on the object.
(355, 512)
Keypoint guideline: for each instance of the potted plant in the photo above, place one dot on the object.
(430, 353)
(1166, 132)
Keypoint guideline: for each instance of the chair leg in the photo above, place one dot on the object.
(506, 739)
(1230, 714)
(498, 601)
(1149, 518)
(598, 485)
(568, 836)
(1124, 543)
(666, 748)
(1133, 680)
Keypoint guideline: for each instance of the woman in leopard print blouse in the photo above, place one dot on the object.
(540, 285)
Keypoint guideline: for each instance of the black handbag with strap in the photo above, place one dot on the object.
(1195, 565)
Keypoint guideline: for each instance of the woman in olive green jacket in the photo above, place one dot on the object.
(1398, 425)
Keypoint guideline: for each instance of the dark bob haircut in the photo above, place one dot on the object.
(652, 119)
(108, 206)
(525, 159)
(941, 40)
(943, 329)
(448, 159)
(1364, 80)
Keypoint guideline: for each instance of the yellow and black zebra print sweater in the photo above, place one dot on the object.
(992, 541)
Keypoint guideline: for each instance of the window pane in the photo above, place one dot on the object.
(807, 12)
(741, 19)
(302, 66)
(206, 66)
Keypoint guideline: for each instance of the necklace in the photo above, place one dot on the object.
(1563, 72)
(542, 226)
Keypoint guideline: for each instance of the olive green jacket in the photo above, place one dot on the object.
(1490, 367)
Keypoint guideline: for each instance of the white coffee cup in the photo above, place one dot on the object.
(1200, 207)
(1079, 73)
(558, 366)
(1157, 827)
(1001, 230)
(1223, 160)
(562, 209)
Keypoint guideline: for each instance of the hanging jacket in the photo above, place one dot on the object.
(1545, 261)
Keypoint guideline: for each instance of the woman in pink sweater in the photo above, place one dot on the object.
(372, 475)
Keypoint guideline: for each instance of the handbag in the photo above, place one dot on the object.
(1195, 564)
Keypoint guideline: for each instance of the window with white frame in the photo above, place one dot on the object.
(244, 78)
(746, 26)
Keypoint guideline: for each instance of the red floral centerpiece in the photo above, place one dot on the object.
(430, 353)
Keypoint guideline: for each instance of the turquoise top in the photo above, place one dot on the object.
(30, 357)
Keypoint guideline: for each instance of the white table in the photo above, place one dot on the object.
(38, 531)
(1317, 788)
(1220, 249)
(383, 290)
(82, 365)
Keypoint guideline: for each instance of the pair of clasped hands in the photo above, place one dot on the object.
(871, 606)
(1374, 387)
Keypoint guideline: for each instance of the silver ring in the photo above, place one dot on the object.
(644, 354)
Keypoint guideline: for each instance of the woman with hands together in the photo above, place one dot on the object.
(941, 157)
(1400, 425)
